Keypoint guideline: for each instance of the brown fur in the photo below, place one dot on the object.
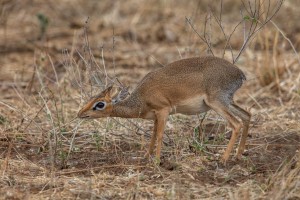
(188, 86)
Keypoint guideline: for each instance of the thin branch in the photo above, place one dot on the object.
(225, 36)
(286, 38)
(113, 49)
(221, 11)
(256, 29)
(103, 63)
(291, 44)
(201, 37)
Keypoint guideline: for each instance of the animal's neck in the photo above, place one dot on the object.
(131, 107)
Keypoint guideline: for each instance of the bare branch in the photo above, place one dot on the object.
(201, 37)
(289, 41)
(254, 28)
(257, 14)
(221, 11)
(225, 36)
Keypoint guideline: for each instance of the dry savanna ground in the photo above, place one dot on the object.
(53, 58)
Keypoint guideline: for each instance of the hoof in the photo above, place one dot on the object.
(238, 156)
(148, 156)
(224, 160)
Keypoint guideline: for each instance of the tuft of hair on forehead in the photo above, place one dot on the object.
(115, 93)
(110, 90)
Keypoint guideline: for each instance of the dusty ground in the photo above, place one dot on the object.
(50, 64)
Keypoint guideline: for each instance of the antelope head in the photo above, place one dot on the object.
(102, 104)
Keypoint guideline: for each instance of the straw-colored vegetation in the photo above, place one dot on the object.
(53, 58)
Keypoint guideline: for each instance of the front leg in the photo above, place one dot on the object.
(153, 139)
(161, 117)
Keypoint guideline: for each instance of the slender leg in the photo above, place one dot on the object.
(153, 139)
(162, 117)
(223, 110)
(245, 116)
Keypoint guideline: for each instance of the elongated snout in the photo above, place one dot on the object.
(81, 114)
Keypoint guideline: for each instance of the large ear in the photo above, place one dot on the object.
(121, 95)
(114, 93)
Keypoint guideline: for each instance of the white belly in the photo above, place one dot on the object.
(191, 106)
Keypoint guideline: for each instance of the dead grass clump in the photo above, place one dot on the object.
(268, 69)
(285, 183)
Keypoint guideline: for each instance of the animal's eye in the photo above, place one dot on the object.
(99, 105)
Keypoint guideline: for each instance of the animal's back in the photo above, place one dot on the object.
(207, 71)
(188, 78)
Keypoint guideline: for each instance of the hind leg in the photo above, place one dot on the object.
(223, 109)
(245, 117)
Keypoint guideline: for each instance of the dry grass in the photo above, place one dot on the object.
(48, 68)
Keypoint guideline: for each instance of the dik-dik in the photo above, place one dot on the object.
(188, 86)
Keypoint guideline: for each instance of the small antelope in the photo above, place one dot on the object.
(188, 86)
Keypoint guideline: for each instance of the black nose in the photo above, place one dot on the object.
(85, 117)
(82, 116)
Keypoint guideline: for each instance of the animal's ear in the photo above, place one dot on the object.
(121, 95)
(114, 93)
(110, 92)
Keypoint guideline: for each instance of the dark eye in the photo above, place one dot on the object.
(99, 105)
